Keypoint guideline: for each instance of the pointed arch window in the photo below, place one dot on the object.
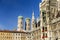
(42, 29)
(45, 28)
(58, 15)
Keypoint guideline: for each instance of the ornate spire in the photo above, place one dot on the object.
(33, 15)
(33, 21)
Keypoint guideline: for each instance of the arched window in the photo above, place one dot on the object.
(45, 28)
(42, 29)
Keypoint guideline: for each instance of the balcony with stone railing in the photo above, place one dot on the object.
(55, 20)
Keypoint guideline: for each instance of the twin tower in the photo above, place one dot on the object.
(28, 23)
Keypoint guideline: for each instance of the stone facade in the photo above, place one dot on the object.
(50, 19)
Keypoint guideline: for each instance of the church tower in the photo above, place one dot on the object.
(20, 23)
(33, 22)
(27, 24)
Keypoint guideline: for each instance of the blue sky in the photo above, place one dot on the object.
(11, 9)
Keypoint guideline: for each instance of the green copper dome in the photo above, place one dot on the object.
(20, 17)
(27, 18)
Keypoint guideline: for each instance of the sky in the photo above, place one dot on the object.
(11, 9)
